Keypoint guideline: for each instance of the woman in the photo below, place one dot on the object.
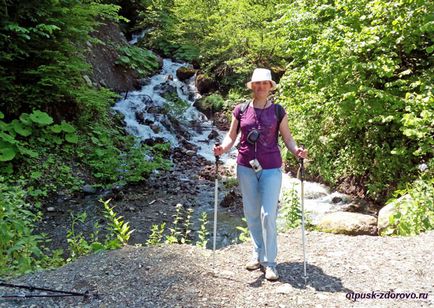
(258, 166)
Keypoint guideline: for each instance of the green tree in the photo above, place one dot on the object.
(358, 85)
(41, 58)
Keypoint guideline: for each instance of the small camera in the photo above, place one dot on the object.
(255, 165)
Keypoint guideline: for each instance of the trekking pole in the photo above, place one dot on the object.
(52, 292)
(302, 216)
(216, 191)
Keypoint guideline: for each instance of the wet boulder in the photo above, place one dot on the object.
(166, 88)
(213, 134)
(189, 146)
(140, 118)
(155, 128)
(184, 73)
(147, 100)
(205, 84)
(156, 110)
(232, 199)
(153, 141)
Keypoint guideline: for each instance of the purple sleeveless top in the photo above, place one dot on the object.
(267, 148)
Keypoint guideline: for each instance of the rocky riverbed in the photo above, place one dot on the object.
(189, 183)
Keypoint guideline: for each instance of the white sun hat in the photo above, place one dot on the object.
(261, 74)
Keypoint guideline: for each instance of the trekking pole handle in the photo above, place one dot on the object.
(217, 157)
(302, 148)
(301, 160)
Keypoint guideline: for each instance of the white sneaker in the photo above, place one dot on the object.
(271, 273)
(253, 265)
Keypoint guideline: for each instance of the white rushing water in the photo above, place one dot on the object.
(145, 110)
(318, 200)
(139, 35)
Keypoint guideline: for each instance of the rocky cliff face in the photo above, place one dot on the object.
(103, 56)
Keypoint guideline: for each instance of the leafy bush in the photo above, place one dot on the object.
(291, 211)
(141, 60)
(78, 245)
(211, 103)
(16, 136)
(119, 229)
(118, 234)
(34, 149)
(20, 248)
(203, 232)
(227, 38)
(41, 55)
(187, 53)
(180, 231)
(156, 236)
(49, 174)
(114, 158)
(416, 213)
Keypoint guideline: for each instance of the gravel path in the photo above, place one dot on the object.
(182, 275)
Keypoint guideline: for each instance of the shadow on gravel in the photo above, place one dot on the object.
(293, 274)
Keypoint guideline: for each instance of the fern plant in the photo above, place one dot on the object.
(119, 229)
(291, 211)
(175, 235)
(156, 236)
(245, 234)
(203, 232)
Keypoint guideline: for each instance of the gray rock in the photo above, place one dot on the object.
(88, 80)
(285, 289)
(389, 210)
(155, 128)
(89, 189)
(348, 223)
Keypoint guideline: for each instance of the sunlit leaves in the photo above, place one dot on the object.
(141, 60)
(71, 138)
(359, 87)
(21, 129)
(41, 118)
(7, 153)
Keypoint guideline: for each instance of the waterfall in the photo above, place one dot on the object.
(150, 115)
